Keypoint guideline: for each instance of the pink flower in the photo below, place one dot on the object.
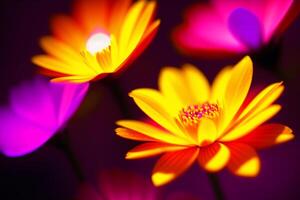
(226, 27)
(124, 185)
(119, 185)
(38, 109)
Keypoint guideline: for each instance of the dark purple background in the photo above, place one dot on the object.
(46, 173)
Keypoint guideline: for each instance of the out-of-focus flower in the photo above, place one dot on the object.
(38, 109)
(226, 27)
(124, 185)
(214, 125)
(102, 36)
(119, 185)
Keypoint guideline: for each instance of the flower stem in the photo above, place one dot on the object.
(214, 181)
(118, 95)
(62, 142)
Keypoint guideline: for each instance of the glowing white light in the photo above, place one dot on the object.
(97, 42)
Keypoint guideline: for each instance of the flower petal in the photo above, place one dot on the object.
(157, 108)
(219, 85)
(173, 164)
(73, 79)
(214, 157)
(128, 26)
(60, 50)
(199, 89)
(132, 135)
(237, 88)
(152, 132)
(172, 85)
(152, 149)
(141, 25)
(207, 132)
(243, 160)
(274, 15)
(66, 29)
(247, 126)
(265, 98)
(268, 135)
(54, 64)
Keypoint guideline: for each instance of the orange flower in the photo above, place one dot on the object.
(101, 37)
(211, 124)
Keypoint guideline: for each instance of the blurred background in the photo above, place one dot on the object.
(46, 173)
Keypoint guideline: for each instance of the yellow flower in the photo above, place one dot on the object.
(211, 124)
(101, 37)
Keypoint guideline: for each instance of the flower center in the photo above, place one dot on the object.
(97, 42)
(191, 115)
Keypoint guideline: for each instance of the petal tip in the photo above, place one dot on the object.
(160, 179)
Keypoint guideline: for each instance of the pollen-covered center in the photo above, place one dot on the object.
(192, 114)
(97, 42)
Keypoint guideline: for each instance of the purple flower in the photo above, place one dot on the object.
(37, 110)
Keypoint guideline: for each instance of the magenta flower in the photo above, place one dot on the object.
(119, 185)
(226, 27)
(38, 109)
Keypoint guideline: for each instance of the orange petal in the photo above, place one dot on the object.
(173, 164)
(66, 29)
(92, 14)
(243, 160)
(117, 16)
(152, 149)
(132, 135)
(214, 157)
(268, 135)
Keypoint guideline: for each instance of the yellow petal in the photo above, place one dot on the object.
(73, 79)
(197, 84)
(263, 100)
(207, 132)
(243, 160)
(157, 108)
(219, 85)
(173, 164)
(129, 24)
(141, 25)
(268, 135)
(237, 88)
(152, 149)
(152, 131)
(172, 85)
(247, 126)
(56, 65)
(214, 157)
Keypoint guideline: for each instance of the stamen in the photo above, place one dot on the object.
(191, 115)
